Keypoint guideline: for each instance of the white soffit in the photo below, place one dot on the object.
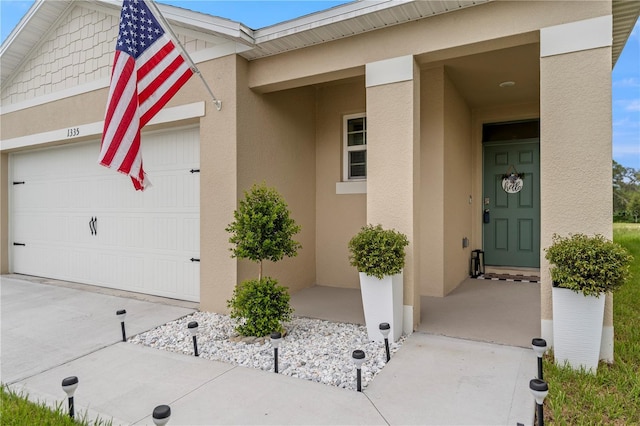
(576, 36)
(347, 20)
(29, 32)
(625, 15)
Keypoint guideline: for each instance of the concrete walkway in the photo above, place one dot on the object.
(51, 332)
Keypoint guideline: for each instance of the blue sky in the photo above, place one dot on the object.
(259, 14)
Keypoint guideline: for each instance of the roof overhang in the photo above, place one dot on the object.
(29, 32)
(44, 14)
(625, 15)
(346, 20)
(321, 27)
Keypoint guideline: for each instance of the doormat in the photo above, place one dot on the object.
(509, 277)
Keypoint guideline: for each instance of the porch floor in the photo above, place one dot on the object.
(500, 312)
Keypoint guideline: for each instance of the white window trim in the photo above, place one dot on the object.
(345, 148)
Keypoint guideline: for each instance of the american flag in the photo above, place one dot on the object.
(148, 70)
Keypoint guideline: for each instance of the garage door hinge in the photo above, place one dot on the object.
(19, 244)
(193, 259)
(194, 171)
(19, 183)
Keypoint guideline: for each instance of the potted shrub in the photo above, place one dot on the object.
(379, 256)
(262, 229)
(583, 269)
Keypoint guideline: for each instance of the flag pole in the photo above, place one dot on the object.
(192, 64)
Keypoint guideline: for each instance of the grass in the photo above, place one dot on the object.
(611, 397)
(17, 410)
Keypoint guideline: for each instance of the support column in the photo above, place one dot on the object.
(218, 193)
(575, 145)
(393, 163)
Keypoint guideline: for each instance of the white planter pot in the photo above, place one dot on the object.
(577, 328)
(382, 302)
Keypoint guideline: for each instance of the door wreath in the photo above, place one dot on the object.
(512, 181)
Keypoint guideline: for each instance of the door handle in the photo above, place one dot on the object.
(486, 218)
(93, 225)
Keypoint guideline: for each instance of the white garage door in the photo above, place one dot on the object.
(74, 220)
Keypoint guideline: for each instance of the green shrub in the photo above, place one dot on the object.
(591, 265)
(378, 252)
(262, 228)
(261, 306)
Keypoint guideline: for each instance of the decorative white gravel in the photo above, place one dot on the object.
(316, 350)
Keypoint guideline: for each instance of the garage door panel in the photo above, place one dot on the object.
(82, 265)
(113, 192)
(167, 238)
(144, 240)
(79, 230)
(132, 273)
(190, 194)
(30, 195)
(25, 227)
(191, 234)
(164, 192)
(191, 273)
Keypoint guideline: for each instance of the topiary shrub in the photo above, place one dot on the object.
(262, 228)
(378, 252)
(261, 306)
(591, 265)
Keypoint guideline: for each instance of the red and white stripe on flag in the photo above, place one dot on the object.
(148, 70)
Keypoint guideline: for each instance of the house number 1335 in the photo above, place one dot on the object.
(73, 131)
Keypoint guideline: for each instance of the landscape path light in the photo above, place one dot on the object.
(161, 415)
(193, 329)
(385, 329)
(539, 347)
(539, 389)
(276, 339)
(69, 386)
(358, 360)
(122, 314)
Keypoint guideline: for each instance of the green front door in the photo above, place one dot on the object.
(511, 219)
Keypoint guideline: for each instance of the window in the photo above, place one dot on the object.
(355, 147)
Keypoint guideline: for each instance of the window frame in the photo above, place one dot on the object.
(346, 149)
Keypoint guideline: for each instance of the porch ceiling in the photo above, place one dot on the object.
(477, 77)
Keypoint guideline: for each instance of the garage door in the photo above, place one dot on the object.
(74, 220)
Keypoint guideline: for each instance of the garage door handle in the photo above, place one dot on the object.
(193, 259)
(19, 244)
(93, 225)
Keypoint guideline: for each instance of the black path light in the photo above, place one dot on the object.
(358, 360)
(539, 347)
(193, 329)
(122, 314)
(539, 389)
(161, 415)
(276, 339)
(69, 385)
(385, 329)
